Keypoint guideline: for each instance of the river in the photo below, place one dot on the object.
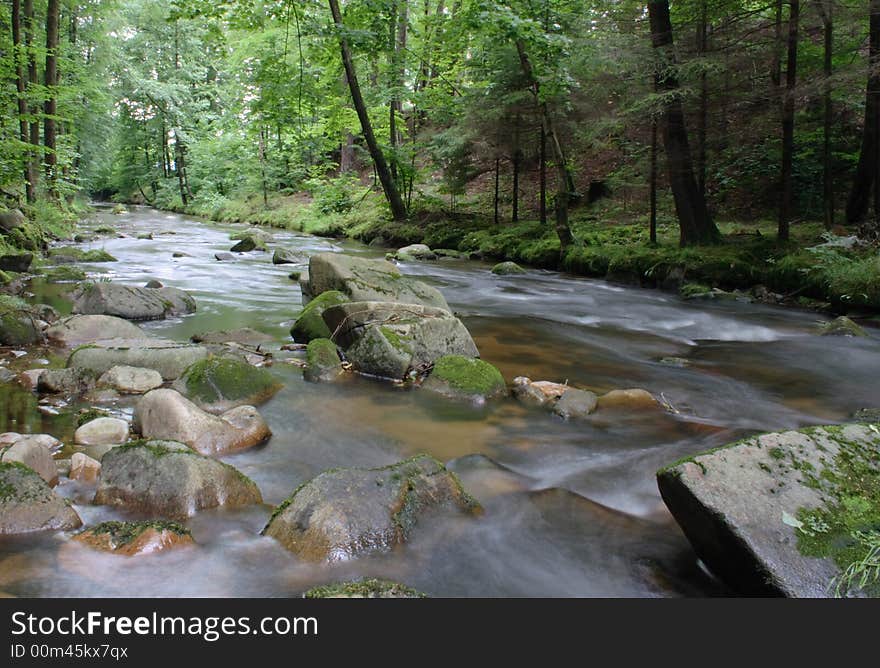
(572, 509)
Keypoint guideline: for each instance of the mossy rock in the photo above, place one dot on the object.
(98, 255)
(217, 384)
(507, 269)
(17, 322)
(63, 274)
(344, 513)
(367, 588)
(322, 361)
(28, 504)
(310, 324)
(694, 290)
(464, 377)
(28, 237)
(841, 326)
(131, 538)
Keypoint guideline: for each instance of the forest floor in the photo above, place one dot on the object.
(808, 271)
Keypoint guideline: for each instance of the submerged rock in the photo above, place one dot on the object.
(575, 403)
(246, 245)
(244, 336)
(36, 454)
(772, 514)
(462, 377)
(224, 257)
(368, 280)
(344, 513)
(507, 269)
(217, 384)
(102, 431)
(368, 588)
(169, 358)
(132, 303)
(133, 538)
(130, 379)
(310, 323)
(322, 362)
(28, 504)
(565, 401)
(167, 479)
(390, 339)
(415, 252)
(167, 415)
(77, 330)
(284, 256)
(841, 326)
(632, 399)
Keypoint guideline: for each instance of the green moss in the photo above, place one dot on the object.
(777, 453)
(123, 533)
(90, 414)
(469, 376)
(216, 379)
(690, 290)
(507, 269)
(64, 273)
(367, 588)
(310, 323)
(98, 255)
(398, 342)
(321, 354)
(105, 229)
(5, 278)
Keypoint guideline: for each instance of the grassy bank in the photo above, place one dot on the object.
(45, 221)
(748, 257)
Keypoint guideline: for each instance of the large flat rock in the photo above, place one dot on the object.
(169, 358)
(132, 303)
(739, 505)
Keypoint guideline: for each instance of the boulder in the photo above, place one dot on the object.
(507, 269)
(30, 379)
(153, 283)
(167, 479)
(145, 236)
(322, 362)
(779, 514)
(18, 263)
(71, 382)
(465, 378)
(77, 330)
(102, 431)
(390, 339)
(217, 384)
(11, 219)
(133, 538)
(130, 379)
(132, 303)
(284, 256)
(223, 257)
(415, 252)
(18, 323)
(632, 399)
(246, 245)
(368, 280)
(28, 504)
(167, 415)
(34, 453)
(565, 401)
(169, 358)
(841, 326)
(366, 588)
(83, 468)
(310, 323)
(344, 513)
(259, 236)
(244, 336)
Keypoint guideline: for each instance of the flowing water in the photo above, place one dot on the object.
(571, 509)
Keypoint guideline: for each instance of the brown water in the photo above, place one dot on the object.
(572, 509)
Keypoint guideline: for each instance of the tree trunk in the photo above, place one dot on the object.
(33, 167)
(517, 158)
(695, 224)
(653, 195)
(826, 10)
(180, 165)
(51, 80)
(497, 180)
(21, 91)
(703, 117)
(563, 189)
(778, 47)
(542, 167)
(787, 186)
(398, 209)
(866, 172)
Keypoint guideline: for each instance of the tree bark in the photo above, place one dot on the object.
(542, 176)
(653, 195)
(703, 117)
(398, 209)
(517, 158)
(51, 81)
(563, 189)
(33, 167)
(695, 224)
(866, 172)
(826, 11)
(787, 186)
(497, 183)
(21, 91)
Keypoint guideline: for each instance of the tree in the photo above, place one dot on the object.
(786, 185)
(51, 80)
(696, 226)
(392, 195)
(866, 172)
(826, 12)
